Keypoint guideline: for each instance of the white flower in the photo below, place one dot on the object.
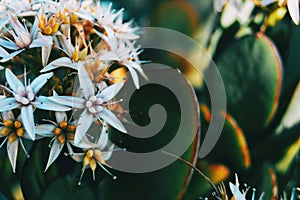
(93, 105)
(124, 53)
(292, 5)
(234, 10)
(13, 132)
(62, 133)
(106, 17)
(95, 154)
(23, 39)
(25, 98)
(74, 53)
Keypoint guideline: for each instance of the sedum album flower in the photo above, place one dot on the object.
(22, 38)
(93, 105)
(62, 133)
(124, 53)
(13, 131)
(75, 55)
(94, 153)
(25, 98)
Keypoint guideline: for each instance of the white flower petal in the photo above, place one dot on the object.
(11, 56)
(102, 141)
(8, 104)
(267, 2)
(60, 116)
(28, 120)
(8, 44)
(86, 84)
(8, 115)
(12, 151)
(110, 92)
(60, 62)
(84, 123)
(70, 101)
(13, 81)
(45, 103)
(134, 77)
(40, 81)
(236, 192)
(44, 130)
(111, 119)
(138, 67)
(39, 42)
(293, 6)
(46, 50)
(107, 154)
(109, 56)
(3, 21)
(76, 157)
(54, 152)
(3, 52)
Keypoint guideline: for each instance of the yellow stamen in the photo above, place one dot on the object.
(52, 21)
(55, 28)
(93, 164)
(63, 124)
(12, 137)
(5, 131)
(57, 131)
(17, 124)
(48, 30)
(61, 139)
(70, 136)
(71, 128)
(20, 132)
(8, 123)
(73, 18)
(89, 153)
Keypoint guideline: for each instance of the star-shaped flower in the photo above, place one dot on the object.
(93, 105)
(124, 53)
(94, 153)
(25, 98)
(23, 39)
(13, 132)
(62, 133)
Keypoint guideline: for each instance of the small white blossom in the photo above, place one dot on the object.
(23, 39)
(93, 105)
(62, 133)
(13, 132)
(25, 98)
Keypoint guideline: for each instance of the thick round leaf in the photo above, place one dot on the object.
(232, 147)
(169, 182)
(252, 73)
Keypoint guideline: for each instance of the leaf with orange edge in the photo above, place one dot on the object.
(232, 147)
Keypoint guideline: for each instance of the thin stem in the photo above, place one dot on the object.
(196, 169)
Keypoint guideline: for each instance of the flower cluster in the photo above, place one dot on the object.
(45, 46)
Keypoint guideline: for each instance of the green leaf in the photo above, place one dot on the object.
(169, 182)
(34, 179)
(176, 15)
(252, 73)
(232, 148)
(66, 188)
